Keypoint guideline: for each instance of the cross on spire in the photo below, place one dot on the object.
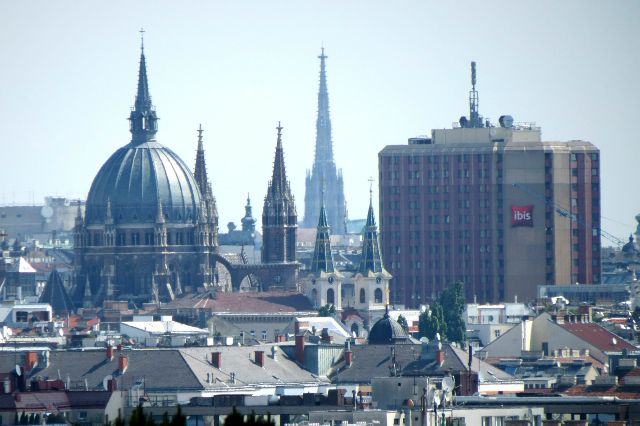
(142, 31)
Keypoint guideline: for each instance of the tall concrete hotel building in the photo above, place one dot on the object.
(492, 206)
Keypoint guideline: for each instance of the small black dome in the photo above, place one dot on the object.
(387, 331)
(135, 179)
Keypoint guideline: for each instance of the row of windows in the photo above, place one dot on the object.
(435, 174)
(147, 238)
(435, 159)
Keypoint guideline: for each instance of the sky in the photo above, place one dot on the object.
(396, 69)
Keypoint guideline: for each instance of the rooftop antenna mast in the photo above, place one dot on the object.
(474, 115)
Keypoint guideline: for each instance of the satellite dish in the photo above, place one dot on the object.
(60, 332)
(18, 371)
(46, 212)
(105, 381)
(448, 384)
(614, 341)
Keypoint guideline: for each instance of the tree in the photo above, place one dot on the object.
(431, 321)
(327, 310)
(237, 419)
(179, 419)
(452, 302)
(403, 323)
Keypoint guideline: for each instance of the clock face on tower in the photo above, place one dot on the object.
(330, 280)
(378, 280)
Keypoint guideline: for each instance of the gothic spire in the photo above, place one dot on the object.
(371, 260)
(324, 144)
(143, 118)
(279, 184)
(322, 255)
(200, 170)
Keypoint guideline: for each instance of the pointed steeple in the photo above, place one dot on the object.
(371, 260)
(143, 118)
(200, 169)
(322, 255)
(279, 217)
(248, 221)
(55, 294)
(324, 144)
(324, 170)
(279, 184)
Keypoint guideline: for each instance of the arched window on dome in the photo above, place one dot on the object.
(362, 295)
(377, 295)
(331, 299)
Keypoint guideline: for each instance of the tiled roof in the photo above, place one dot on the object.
(240, 360)
(622, 392)
(374, 361)
(253, 303)
(598, 336)
(161, 369)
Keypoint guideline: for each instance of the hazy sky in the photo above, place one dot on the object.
(396, 69)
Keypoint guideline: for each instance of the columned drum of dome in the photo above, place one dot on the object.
(149, 231)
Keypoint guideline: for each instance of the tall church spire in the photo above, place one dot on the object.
(322, 255)
(143, 119)
(371, 260)
(279, 182)
(324, 144)
(324, 173)
(279, 216)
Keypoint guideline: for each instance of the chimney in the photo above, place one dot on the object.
(260, 358)
(440, 356)
(110, 352)
(348, 358)
(300, 349)
(119, 347)
(123, 363)
(216, 359)
(31, 361)
(325, 337)
(112, 385)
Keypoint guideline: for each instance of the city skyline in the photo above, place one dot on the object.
(70, 75)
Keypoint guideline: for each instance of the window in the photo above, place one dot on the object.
(331, 297)
(362, 295)
(264, 334)
(121, 239)
(135, 239)
(594, 172)
(149, 238)
(594, 157)
(377, 295)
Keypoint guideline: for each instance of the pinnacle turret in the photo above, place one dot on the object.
(200, 169)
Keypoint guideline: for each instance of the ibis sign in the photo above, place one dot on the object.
(522, 215)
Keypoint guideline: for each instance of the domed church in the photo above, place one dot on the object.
(150, 227)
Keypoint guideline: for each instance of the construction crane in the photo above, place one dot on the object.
(567, 213)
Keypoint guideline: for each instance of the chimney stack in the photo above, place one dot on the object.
(440, 356)
(123, 364)
(112, 385)
(300, 349)
(110, 352)
(31, 361)
(348, 358)
(216, 359)
(260, 358)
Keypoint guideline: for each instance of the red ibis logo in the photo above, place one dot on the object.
(522, 215)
